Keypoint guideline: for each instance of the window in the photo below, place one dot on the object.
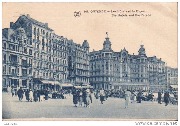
(4, 46)
(30, 52)
(12, 47)
(4, 58)
(4, 69)
(47, 34)
(38, 46)
(30, 71)
(25, 50)
(35, 31)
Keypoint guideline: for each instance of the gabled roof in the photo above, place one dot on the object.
(29, 19)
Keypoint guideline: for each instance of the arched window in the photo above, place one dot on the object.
(4, 57)
(34, 30)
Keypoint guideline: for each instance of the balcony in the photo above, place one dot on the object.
(14, 74)
(4, 61)
(24, 74)
(26, 65)
(14, 63)
(36, 41)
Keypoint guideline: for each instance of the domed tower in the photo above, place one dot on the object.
(142, 51)
(107, 43)
(85, 44)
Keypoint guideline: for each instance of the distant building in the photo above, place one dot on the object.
(78, 63)
(17, 51)
(35, 57)
(121, 70)
(172, 77)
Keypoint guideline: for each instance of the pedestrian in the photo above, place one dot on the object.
(8, 89)
(20, 93)
(39, 95)
(159, 97)
(80, 98)
(35, 95)
(84, 97)
(88, 98)
(30, 95)
(133, 96)
(13, 91)
(97, 94)
(127, 98)
(46, 94)
(75, 97)
(139, 97)
(27, 95)
(91, 94)
(166, 98)
(102, 94)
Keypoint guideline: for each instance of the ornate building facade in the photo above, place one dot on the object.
(17, 51)
(35, 57)
(172, 77)
(78, 63)
(121, 70)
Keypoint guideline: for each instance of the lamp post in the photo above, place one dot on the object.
(55, 82)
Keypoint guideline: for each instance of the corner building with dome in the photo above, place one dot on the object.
(121, 70)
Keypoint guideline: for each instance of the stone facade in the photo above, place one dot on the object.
(121, 70)
(35, 57)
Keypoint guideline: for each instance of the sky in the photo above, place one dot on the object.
(155, 28)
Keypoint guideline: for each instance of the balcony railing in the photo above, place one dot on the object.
(14, 63)
(14, 74)
(26, 65)
(24, 74)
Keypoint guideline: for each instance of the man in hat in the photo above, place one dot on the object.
(166, 98)
(20, 93)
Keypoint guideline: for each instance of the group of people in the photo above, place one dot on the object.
(166, 97)
(31, 95)
(82, 96)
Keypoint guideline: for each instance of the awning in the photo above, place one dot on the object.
(80, 87)
(132, 84)
(66, 85)
(45, 81)
(174, 86)
(54, 82)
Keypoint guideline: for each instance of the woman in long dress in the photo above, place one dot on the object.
(30, 95)
(127, 98)
(80, 98)
(75, 97)
(102, 94)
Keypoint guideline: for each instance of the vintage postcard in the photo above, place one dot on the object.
(90, 61)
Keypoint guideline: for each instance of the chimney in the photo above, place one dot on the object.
(11, 24)
(46, 24)
(28, 15)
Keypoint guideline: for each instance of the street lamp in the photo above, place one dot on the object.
(55, 82)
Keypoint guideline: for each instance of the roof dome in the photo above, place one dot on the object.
(85, 44)
(142, 50)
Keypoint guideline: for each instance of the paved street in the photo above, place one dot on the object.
(113, 108)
